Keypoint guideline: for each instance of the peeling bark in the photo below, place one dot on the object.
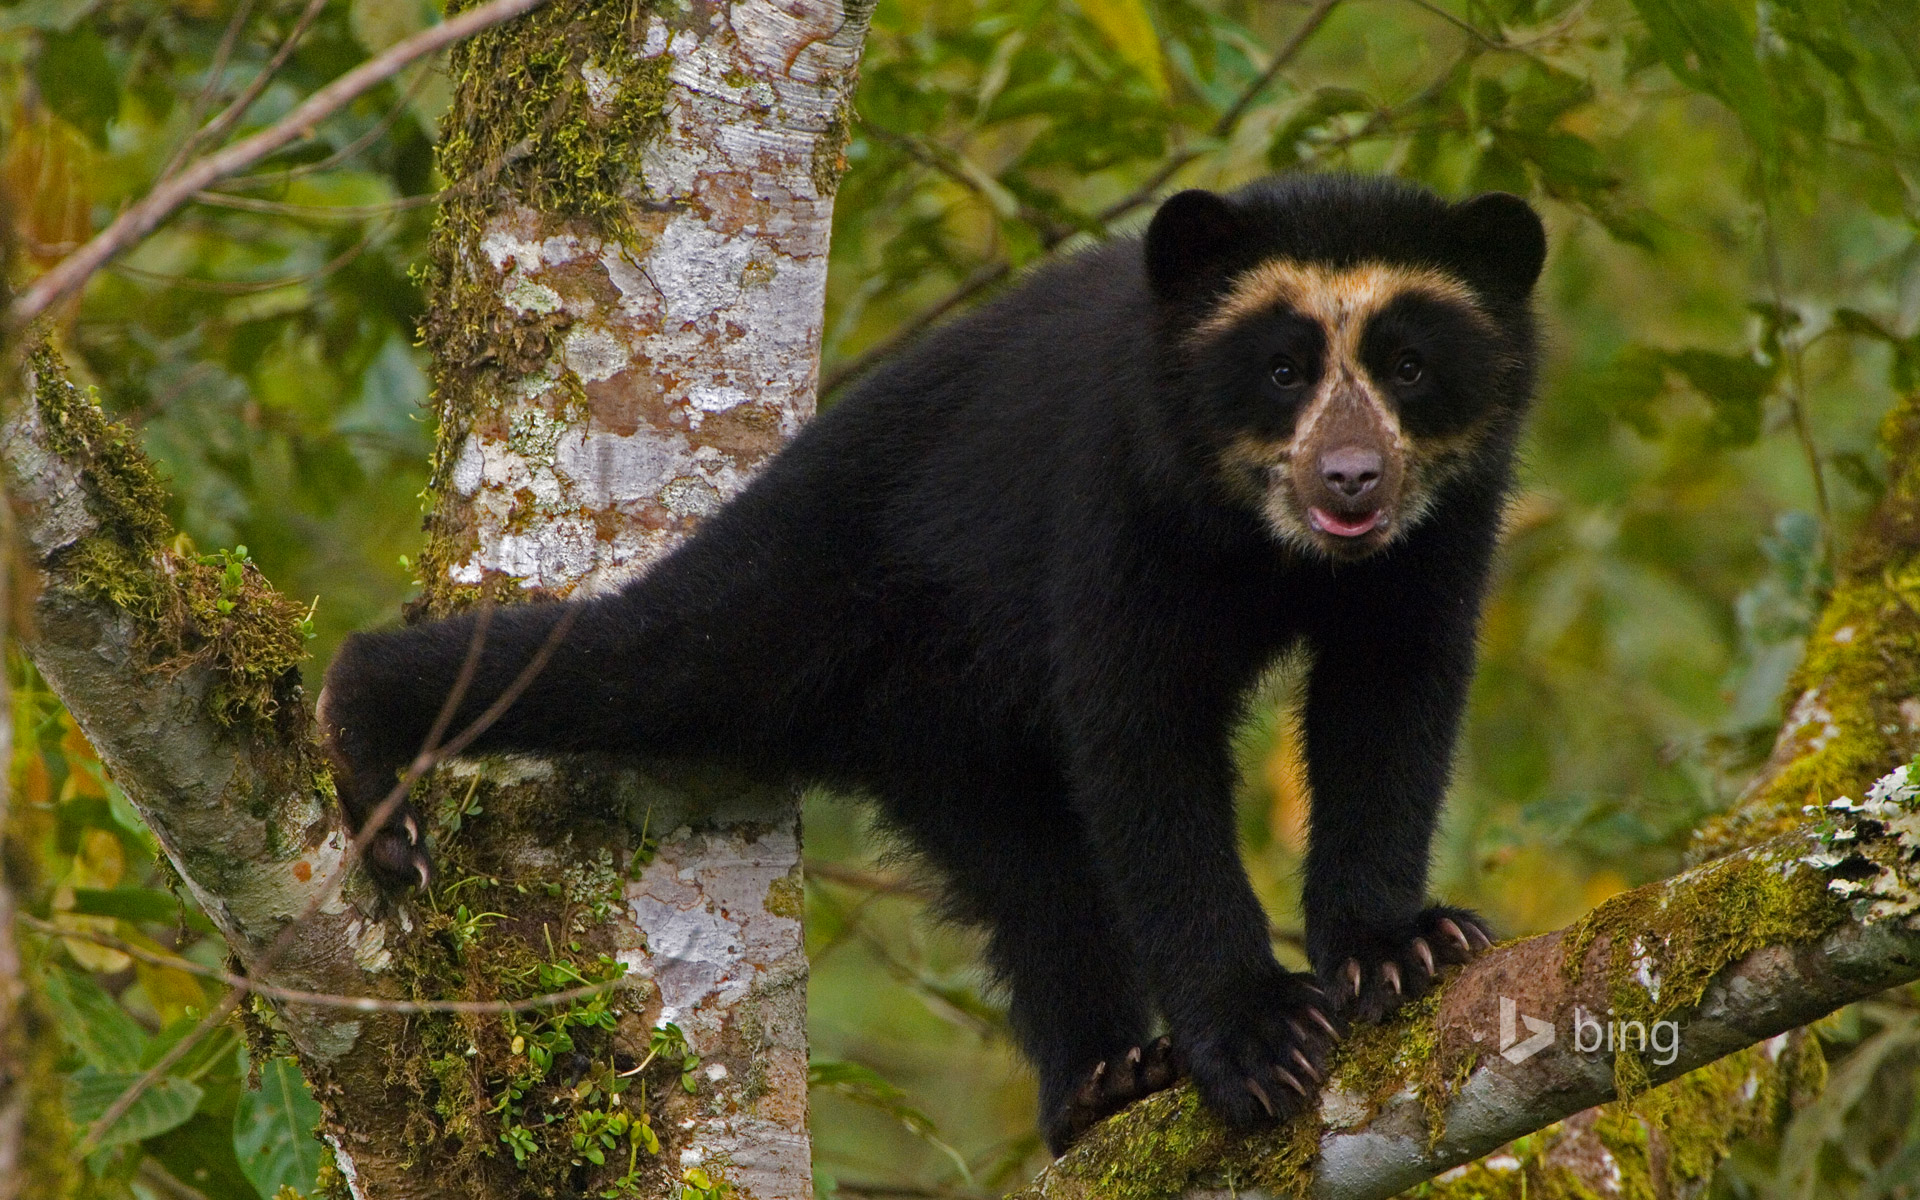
(653, 340)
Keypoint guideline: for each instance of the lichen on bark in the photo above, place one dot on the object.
(191, 609)
(1659, 947)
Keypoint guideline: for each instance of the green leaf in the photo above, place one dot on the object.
(149, 905)
(1127, 27)
(1325, 104)
(78, 82)
(165, 1105)
(1709, 46)
(273, 1131)
(92, 1022)
(1629, 387)
(1734, 385)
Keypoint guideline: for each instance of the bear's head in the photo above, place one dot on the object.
(1346, 348)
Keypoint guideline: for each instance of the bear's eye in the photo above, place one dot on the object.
(1286, 373)
(1409, 369)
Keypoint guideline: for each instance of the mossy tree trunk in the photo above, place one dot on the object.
(626, 295)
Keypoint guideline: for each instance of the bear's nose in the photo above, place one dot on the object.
(1351, 470)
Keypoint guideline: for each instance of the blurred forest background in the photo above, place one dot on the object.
(1732, 301)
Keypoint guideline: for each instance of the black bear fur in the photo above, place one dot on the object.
(1001, 589)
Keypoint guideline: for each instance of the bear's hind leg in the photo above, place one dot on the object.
(1077, 1004)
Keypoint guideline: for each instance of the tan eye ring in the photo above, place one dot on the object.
(1409, 369)
(1286, 373)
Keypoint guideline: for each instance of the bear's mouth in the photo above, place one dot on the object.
(1360, 526)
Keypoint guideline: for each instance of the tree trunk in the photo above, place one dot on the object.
(626, 295)
(627, 290)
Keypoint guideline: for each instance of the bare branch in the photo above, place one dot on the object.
(218, 127)
(145, 216)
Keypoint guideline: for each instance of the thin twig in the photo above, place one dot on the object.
(142, 218)
(215, 69)
(865, 880)
(314, 999)
(1796, 369)
(220, 125)
(322, 212)
(244, 287)
(287, 174)
(955, 167)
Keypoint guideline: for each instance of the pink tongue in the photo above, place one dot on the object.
(1329, 523)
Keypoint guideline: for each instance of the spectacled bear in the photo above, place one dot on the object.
(1017, 586)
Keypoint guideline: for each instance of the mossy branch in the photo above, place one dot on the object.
(182, 670)
(1728, 955)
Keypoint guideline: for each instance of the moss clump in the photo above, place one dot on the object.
(1862, 661)
(556, 110)
(546, 1102)
(1666, 942)
(216, 610)
(1168, 1144)
(1666, 1144)
(829, 160)
(1378, 1062)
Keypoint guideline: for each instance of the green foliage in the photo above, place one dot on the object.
(273, 1131)
(1731, 188)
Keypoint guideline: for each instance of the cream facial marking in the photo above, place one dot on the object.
(1346, 407)
(1340, 299)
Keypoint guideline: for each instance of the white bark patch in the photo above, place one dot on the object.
(468, 468)
(703, 904)
(525, 295)
(370, 945)
(602, 88)
(595, 354)
(344, 1161)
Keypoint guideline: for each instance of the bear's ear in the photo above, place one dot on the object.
(1190, 241)
(1500, 242)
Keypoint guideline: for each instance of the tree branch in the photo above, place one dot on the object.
(170, 193)
(1730, 954)
(200, 717)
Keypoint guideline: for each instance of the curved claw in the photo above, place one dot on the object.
(1352, 970)
(1424, 954)
(413, 829)
(1287, 1078)
(1320, 1019)
(420, 869)
(1307, 1067)
(1452, 930)
(1391, 973)
(1260, 1094)
(1480, 940)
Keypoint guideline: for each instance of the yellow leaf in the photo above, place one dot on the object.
(1126, 25)
(172, 992)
